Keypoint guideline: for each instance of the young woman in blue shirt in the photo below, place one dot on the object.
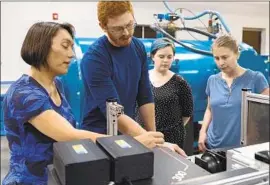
(222, 119)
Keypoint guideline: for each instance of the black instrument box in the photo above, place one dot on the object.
(129, 158)
(80, 162)
(263, 156)
(169, 168)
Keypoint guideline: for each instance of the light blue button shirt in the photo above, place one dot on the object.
(225, 127)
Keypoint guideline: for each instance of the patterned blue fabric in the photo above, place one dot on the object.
(31, 151)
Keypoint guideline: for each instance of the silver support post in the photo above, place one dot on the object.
(113, 111)
(244, 112)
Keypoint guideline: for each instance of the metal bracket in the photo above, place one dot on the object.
(114, 110)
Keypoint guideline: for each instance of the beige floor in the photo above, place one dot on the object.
(4, 157)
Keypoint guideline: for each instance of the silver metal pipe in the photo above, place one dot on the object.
(244, 112)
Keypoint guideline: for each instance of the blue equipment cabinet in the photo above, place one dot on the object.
(195, 68)
(73, 88)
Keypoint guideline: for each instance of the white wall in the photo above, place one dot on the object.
(17, 17)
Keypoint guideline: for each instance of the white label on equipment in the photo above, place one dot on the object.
(122, 144)
(79, 149)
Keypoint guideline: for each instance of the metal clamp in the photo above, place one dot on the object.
(114, 110)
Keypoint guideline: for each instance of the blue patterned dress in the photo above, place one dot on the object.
(30, 150)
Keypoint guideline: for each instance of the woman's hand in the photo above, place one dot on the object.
(202, 141)
(150, 139)
(174, 148)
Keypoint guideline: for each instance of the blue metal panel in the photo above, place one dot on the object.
(195, 68)
(73, 87)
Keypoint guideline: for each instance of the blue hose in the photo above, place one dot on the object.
(213, 13)
(200, 15)
(170, 10)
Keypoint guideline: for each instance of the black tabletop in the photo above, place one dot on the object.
(169, 168)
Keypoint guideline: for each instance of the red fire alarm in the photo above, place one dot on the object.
(55, 16)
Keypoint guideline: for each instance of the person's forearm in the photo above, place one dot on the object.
(147, 113)
(128, 126)
(185, 120)
(76, 134)
(63, 130)
(83, 134)
(265, 92)
(206, 120)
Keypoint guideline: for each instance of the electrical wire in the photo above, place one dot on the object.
(193, 15)
(157, 28)
(212, 36)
